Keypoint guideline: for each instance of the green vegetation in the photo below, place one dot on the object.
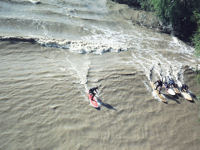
(198, 80)
(146, 4)
(182, 15)
(178, 13)
(198, 76)
(196, 37)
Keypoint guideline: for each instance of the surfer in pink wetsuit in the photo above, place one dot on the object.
(93, 91)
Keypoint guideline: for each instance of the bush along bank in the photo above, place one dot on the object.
(196, 37)
(182, 15)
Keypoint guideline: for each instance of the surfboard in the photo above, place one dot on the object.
(171, 91)
(176, 90)
(187, 96)
(157, 92)
(93, 102)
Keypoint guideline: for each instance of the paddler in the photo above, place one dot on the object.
(93, 91)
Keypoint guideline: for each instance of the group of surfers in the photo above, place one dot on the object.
(169, 84)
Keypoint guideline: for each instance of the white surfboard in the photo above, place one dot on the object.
(171, 91)
(187, 96)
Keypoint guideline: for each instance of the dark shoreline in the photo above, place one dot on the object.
(148, 19)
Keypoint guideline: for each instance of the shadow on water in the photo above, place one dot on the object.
(14, 40)
(99, 108)
(106, 105)
(171, 97)
(192, 101)
(193, 96)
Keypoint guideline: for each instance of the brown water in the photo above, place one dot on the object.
(43, 83)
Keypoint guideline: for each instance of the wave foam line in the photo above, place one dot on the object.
(79, 46)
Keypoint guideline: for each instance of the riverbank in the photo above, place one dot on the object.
(143, 18)
(181, 18)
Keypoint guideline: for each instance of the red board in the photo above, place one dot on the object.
(93, 101)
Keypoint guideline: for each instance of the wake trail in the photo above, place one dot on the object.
(162, 65)
(81, 70)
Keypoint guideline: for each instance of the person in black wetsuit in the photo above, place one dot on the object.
(166, 85)
(184, 87)
(160, 83)
(93, 91)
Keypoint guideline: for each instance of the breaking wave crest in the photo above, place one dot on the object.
(78, 46)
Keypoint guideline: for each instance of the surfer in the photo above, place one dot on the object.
(171, 83)
(93, 91)
(184, 87)
(166, 85)
(160, 83)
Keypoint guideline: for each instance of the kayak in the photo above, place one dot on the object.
(94, 102)
(187, 96)
(157, 92)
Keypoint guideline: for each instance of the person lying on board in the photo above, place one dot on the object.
(93, 91)
(159, 84)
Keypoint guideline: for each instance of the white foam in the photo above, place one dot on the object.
(156, 96)
(34, 1)
(181, 46)
(84, 46)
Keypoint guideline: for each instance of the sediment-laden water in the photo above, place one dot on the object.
(53, 51)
